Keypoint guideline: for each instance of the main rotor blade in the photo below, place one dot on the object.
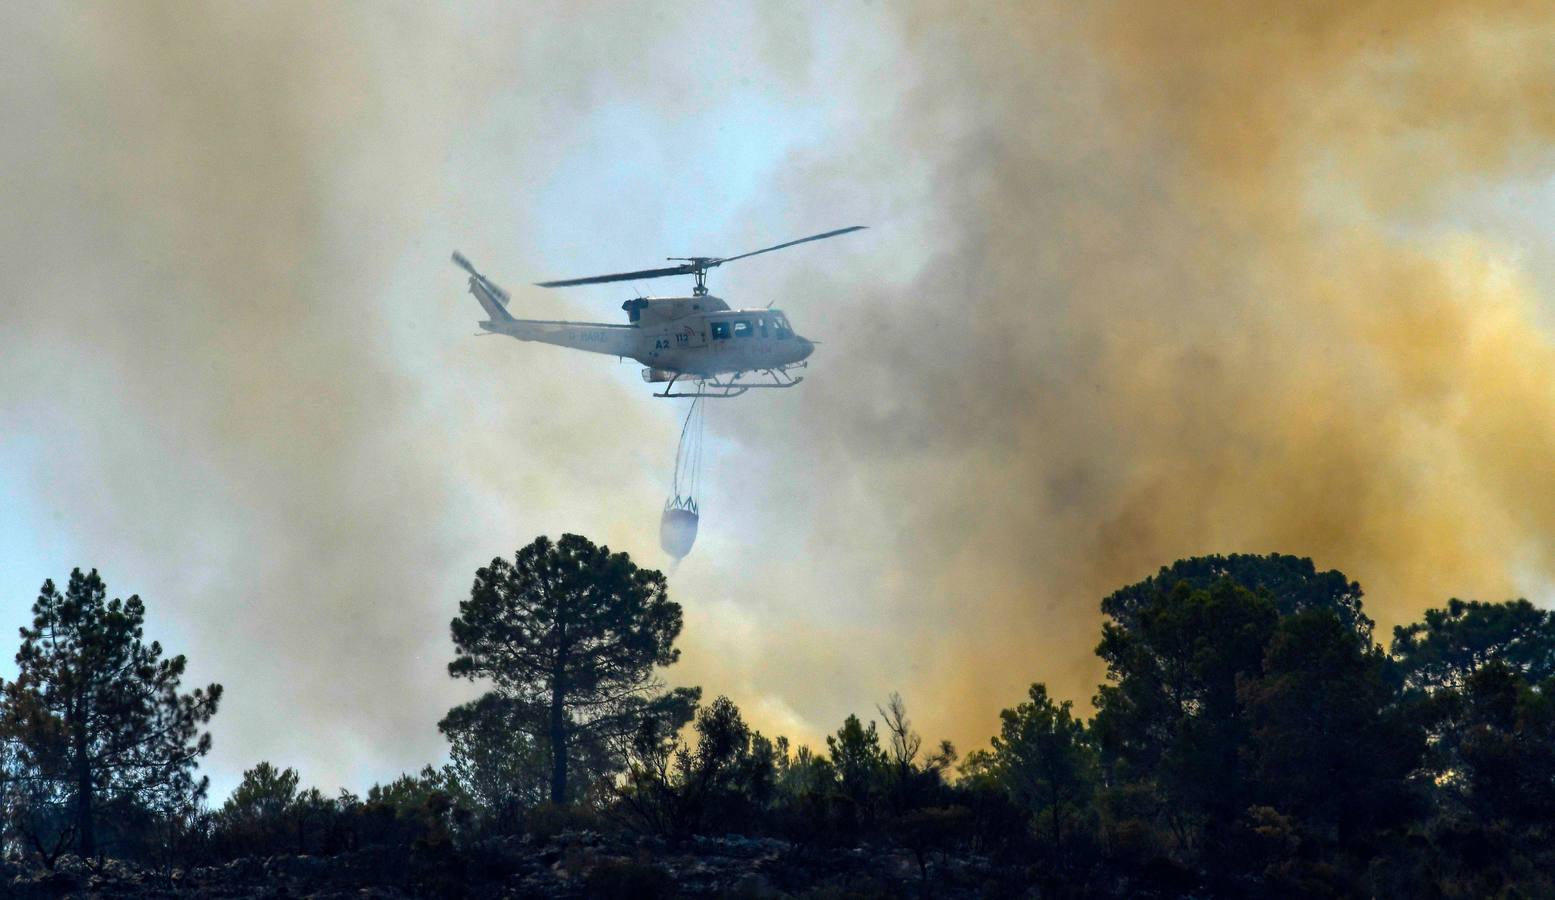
(813, 237)
(622, 276)
(691, 266)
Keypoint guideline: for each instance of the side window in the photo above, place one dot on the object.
(761, 323)
(720, 331)
(742, 328)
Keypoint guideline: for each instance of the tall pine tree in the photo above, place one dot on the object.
(569, 635)
(95, 712)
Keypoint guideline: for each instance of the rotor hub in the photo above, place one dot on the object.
(697, 266)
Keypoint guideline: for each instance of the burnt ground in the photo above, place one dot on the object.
(573, 864)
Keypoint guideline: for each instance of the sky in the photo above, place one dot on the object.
(1141, 281)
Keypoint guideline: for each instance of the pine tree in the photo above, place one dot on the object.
(1043, 759)
(95, 711)
(858, 759)
(569, 635)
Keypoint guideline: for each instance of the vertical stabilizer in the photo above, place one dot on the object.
(492, 298)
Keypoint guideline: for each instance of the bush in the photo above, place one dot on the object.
(549, 820)
(625, 879)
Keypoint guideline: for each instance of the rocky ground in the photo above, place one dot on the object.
(578, 864)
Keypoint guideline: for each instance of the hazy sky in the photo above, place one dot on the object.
(1141, 281)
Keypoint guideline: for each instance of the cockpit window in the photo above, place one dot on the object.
(742, 328)
(720, 330)
(780, 325)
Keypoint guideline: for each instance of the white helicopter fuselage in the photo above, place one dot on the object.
(698, 337)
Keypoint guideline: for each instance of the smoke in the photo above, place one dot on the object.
(1143, 281)
(218, 378)
(1194, 283)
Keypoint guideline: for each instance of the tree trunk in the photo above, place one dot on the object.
(1058, 824)
(558, 742)
(86, 838)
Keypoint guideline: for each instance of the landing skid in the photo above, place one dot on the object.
(712, 387)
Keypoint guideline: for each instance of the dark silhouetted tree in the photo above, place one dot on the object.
(95, 711)
(1170, 720)
(1492, 764)
(804, 773)
(903, 743)
(911, 782)
(1451, 643)
(496, 762)
(1043, 760)
(264, 792)
(1328, 745)
(1291, 583)
(859, 762)
(262, 815)
(1507, 748)
(569, 635)
(723, 782)
(36, 809)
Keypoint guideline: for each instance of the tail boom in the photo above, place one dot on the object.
(596, 337)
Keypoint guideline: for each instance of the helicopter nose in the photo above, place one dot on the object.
(806, 347)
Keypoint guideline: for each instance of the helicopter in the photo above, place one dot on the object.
(697, 340)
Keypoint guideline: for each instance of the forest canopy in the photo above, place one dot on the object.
(1250, 739)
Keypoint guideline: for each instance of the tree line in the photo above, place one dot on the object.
(1252, 738)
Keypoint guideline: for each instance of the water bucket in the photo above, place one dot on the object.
(677, 531)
